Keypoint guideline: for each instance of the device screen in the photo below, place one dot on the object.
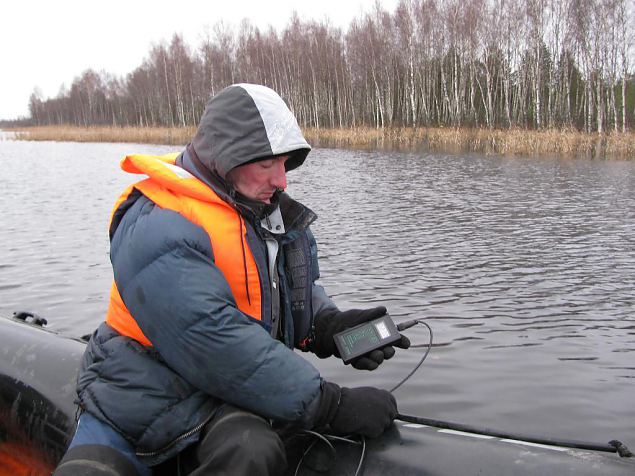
(358, 339)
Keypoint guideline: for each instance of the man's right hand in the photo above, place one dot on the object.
(366, 411)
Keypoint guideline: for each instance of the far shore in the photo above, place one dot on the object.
(550, 142)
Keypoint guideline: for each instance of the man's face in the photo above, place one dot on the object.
(259, 180)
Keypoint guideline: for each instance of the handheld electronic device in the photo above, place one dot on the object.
(366, 337)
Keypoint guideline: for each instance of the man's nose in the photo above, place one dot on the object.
(279, 177)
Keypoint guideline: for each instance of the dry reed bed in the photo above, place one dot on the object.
(552, 142)
(141, 135)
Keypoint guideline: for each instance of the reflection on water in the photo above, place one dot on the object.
(525, 269)
(6, 135)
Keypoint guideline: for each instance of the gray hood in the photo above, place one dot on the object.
(245, 122)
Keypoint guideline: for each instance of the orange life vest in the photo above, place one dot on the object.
(173, 188)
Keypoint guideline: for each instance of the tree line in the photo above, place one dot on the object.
(475, 63)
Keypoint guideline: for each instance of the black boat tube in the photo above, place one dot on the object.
(38, 374)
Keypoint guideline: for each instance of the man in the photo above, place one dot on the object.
(214, 286)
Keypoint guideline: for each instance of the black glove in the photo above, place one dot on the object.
(328, 325)
(364, 411)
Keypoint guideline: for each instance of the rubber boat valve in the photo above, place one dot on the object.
(621, 449)
(36, 320)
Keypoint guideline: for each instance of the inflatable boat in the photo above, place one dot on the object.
(37, 418)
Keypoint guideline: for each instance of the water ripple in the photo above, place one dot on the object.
(525, 269)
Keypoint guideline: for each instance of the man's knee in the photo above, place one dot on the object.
(243, 441)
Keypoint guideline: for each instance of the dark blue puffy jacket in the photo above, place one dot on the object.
(205, 350)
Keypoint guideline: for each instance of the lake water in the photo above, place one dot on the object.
(524, 268)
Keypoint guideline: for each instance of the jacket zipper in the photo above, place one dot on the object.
(181, 437)
(242, 244)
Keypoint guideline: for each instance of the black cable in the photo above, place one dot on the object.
(361, 458)
(319, 437)
(306, 452)
(326, 439)
(342, 439)
(406, 325)
(613, 446)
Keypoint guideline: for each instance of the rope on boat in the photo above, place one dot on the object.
(613, 446)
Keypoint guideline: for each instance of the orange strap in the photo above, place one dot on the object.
(118, 317)
(227, 233)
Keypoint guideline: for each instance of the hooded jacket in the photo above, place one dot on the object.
(205, 350)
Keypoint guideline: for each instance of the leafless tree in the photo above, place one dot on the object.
(492, 63)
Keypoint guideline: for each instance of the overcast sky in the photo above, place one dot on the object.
(48, 43)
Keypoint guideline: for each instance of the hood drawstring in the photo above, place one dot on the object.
(242, 244)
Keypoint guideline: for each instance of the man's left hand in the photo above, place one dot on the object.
(328, 325)
(374, 358)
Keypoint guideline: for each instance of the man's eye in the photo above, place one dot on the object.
(266, 164)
